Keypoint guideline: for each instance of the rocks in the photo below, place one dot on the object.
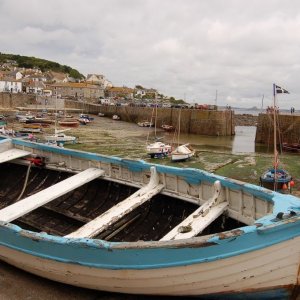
(245, 120)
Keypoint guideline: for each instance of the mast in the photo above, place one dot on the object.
(178, 134)
(275, 135)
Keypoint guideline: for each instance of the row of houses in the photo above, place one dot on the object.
(94, 87)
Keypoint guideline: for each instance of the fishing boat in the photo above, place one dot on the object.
(276, 178)
(116, 117)
(181, 152)
(69, 123)
(126, 226)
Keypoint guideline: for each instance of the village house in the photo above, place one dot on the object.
(120, 92)
(35, 87)
(56, 77)
(98, 79)
(80, 90)
(10, 85)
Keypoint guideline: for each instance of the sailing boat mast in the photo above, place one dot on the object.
(275, 135)
(178, 133)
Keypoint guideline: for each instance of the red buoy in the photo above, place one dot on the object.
(284, 186)
(292, 183)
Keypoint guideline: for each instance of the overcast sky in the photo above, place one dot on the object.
(184, 48)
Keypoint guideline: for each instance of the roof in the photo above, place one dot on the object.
(37, 84)
(120, 90)
(75, 85)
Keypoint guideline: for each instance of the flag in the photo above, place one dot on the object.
(279, 90)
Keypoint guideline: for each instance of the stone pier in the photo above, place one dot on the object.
(195, 121)
(288, 129)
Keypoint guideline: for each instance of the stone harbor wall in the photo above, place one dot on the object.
(204, 122)
(288, 128)
(11, 101)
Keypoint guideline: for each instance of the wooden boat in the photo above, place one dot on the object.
(291, 147)
(168, 128)
(32, 125)
(68, 123)
(276, 178)
(31, 130)
(145, 124)
(127, 226)
(83, 121)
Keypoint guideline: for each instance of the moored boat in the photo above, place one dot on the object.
(276, 178)
(182, 152)
(127, 226)
(69, 123)
(145, 124)
(168, 128)
(158, 149)
(116, 117)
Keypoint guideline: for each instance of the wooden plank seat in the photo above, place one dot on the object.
(200, 218)
(115, 213)
(12, 154)
(30, 203)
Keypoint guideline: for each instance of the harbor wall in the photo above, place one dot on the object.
(11, 101)
(288, 128)
(204, 122)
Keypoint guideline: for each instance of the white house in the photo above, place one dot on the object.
(35, 87)
(10, 85)
(99, 80)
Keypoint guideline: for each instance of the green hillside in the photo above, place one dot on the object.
(42, 64)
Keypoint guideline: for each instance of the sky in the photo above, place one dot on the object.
(224, 52)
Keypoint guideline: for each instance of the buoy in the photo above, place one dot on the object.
(284, 186)
(292, 183)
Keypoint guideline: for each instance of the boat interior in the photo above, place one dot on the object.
(151, 220)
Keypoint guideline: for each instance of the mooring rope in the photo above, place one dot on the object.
(25, 183)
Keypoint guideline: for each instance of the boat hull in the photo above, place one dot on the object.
(256, 271)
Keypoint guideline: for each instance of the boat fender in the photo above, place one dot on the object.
(281, 215)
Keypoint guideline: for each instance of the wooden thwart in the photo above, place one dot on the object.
(115, 213)
(30, 203)
(12, 154)
(199, 219)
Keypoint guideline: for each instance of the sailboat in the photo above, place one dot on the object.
(157, 149)
(182, 152)
(59, 137)
(276, 178)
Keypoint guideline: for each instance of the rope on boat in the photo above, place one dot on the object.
(25, 183)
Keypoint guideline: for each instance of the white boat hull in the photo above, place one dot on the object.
(261, 270)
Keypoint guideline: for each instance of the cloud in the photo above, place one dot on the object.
(190, 48)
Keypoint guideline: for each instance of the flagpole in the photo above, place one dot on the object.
(275, 131)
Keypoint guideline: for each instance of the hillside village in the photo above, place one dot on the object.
(95, 88)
